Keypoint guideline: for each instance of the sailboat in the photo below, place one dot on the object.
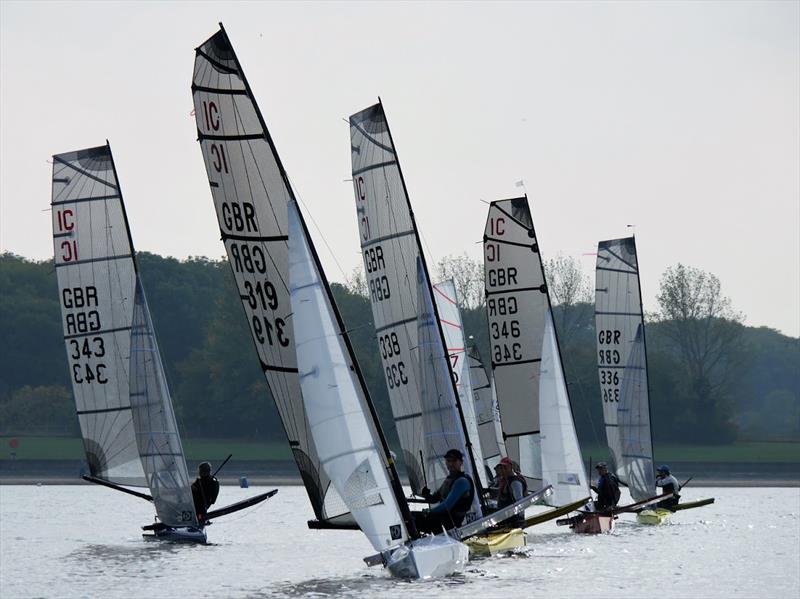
(535, 410)
(345, 427)
(622, 371)
(129, 431)
(251, 191)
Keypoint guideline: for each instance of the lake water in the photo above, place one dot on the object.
(80, 541)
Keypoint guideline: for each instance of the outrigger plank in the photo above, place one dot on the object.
(693, 504)
(105, 483)
(640, 505)
(240, 505)
(554, 513)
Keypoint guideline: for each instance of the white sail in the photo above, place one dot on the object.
(452, 326)
(348, 447)
(516, 305)
(250, 192)
(562, 463)
(96, 283)
(157, 434)
(390, 251)
(622, 365)
(441, 420)
(487, 414)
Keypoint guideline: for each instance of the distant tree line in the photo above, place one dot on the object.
(712, 379)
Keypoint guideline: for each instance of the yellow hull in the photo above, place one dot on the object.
(654, 516)
(493, 543)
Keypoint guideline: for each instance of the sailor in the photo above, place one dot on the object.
(455, 496)
(607, 489)
(205, 489)
(668, 484)
(511, 489)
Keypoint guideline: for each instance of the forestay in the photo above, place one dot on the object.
(562, 464)
(96, 282)
(154, 421)
(348, 445)
(452, 326)
(487, 414)
(390, 251)
(441, 420)
(251, 191)
(622, 365)
(516, 305)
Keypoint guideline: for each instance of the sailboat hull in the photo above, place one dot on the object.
(496, 542)
(653, 517)
(178, 534)
(591, 524)
(428, 557)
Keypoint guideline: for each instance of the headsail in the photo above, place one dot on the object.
(340, 417)
(452, 326)
(157, 434)
(392, 250)
(562, 464)
(516, 306)
(251, 192)
(96, 282)
(622, 364)
(487, 414)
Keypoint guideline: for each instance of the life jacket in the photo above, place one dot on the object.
(505, 497)
(464, 503)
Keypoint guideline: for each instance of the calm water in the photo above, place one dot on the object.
(78, 541)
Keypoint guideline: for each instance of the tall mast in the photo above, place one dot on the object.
(467, 440)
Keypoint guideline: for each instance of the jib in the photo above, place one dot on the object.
(79, 297)
(82, 322)
(499, 277)
(239, 218)
(248, 258)
(373, 258)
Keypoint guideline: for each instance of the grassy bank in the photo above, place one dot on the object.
(63, 448)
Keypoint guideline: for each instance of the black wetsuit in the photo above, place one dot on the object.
(433, 521)
(204, 493)
(608, 492)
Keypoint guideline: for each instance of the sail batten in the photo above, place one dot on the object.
(251, 192)
(622, 365)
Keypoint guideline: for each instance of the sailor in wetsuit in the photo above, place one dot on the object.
(205, 489)
(607, 489)
(455, 494)
(667, 484)
(512, 488)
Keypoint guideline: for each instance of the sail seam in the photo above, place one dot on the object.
(79, 200)
(373, 167)
(408, 416)
(540, 288)
(368, 137)
(530, 246)
(272, 368)
(216, 64)
(84, 173)
(620, 313)
(103, 411)
(100, 332)
(265, 239)
(214, 137)
(521, 224)
(396, 323)
(510, 435)
(497, 364)
(386, 238)
(214, 90)
(627, 272)
(90, 260)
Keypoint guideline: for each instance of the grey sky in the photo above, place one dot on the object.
(681, 118)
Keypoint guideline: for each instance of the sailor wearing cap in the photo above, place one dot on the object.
(455, 496)
(511, 489)
(667, 484)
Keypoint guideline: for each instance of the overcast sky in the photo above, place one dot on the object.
(680, 118)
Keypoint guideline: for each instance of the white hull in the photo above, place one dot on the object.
(428, 557)
(180, 534)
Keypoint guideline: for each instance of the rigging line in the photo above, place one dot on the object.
(316, 225)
